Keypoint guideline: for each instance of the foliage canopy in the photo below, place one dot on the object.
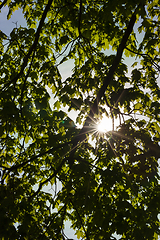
(110, 181)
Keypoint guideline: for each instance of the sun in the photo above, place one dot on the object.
(105, 125)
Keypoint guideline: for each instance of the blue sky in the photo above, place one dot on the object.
(7, 25)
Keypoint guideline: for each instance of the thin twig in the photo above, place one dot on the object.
(145, 56)
(14, 167)
(48, 179)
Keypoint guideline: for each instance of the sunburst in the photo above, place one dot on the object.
(105, 125)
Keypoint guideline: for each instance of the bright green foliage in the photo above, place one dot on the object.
(109, 185)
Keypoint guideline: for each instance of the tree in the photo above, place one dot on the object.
(110, 181)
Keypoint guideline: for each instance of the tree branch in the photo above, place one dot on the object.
(107, 80)
(80, 15)
(48, 179)
(3, 3)
(23, 87)
(25, 60)
(14, 167)
(86, 234)
(145, 56)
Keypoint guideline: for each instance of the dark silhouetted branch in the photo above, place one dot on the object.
(33, 47)
(145, 56)
(94, 109)
(3, 3)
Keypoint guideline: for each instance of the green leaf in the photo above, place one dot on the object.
(3, 35)
(157, 127)
(79, 234)
(57, 105)
(155, 236)
(136, 75)
(64, 39)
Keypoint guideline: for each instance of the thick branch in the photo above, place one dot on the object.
(116, 61)
(3, 3)
(25, 60)
(107, 80)
(80, 15)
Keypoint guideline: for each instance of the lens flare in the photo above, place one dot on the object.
(104, 125)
